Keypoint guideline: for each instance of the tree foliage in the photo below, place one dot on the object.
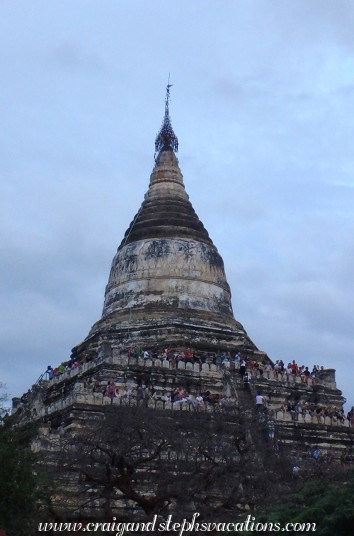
(328, 502)
(21, 483)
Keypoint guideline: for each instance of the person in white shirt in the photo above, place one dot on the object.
(259, 400)
(200, 401)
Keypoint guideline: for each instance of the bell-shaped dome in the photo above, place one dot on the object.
(167, 260)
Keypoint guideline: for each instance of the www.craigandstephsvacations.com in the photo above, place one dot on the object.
(180, 528)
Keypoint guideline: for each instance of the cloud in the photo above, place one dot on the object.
(76, 60)
(262, 104)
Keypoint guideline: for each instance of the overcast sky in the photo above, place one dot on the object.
(263, 106)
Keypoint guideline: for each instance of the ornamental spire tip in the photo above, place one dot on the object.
(166, 138)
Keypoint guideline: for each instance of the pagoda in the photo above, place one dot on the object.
(166, 354)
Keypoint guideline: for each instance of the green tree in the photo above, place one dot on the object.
(328, 502)
(21, 483)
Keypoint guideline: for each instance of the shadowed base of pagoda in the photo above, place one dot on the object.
(177, 329)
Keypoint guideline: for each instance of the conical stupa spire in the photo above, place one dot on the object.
(167, 279)
(166, 138)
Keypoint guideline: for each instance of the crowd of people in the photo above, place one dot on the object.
(255, 368)
(263, 368)
(178, 396)
(174, 357)
(296, 408)
(240, 362)
(51, 372)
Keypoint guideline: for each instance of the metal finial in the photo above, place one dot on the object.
(166, 138)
